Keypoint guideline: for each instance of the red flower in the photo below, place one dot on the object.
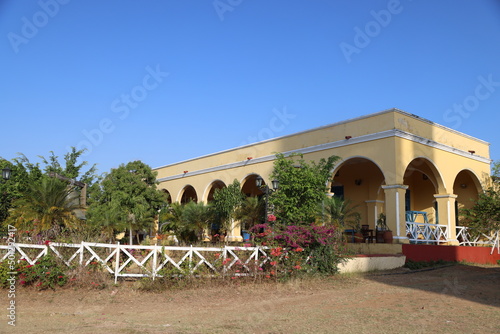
(271, 218)
(298, 249)
(298, 267)
(47, 242)
(273, 263)
(276, 251)
(60, 276)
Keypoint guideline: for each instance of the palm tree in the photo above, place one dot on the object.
(250, 212)
(338, 212)
(46, 208)
(196, 218)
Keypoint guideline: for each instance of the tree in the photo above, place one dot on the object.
(250, 212)
(484, 216)
(495, 173)
(302, 186)
(225, 203)
(337, 212)
(46, 208)
(128, 197)
(25, 173)
(196, 217)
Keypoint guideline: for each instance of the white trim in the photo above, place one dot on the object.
(375, 201)
(397, 214)
(436, 145)
(395, 186)
(446, 196)
(326, 146)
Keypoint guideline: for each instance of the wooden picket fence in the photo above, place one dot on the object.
(147, 261)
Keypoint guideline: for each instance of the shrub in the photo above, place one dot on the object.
(300, 250)
(45, 273)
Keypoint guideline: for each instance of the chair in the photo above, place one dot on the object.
(367, 233)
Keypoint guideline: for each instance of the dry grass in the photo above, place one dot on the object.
(455, 299)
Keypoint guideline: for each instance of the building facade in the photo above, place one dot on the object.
(392, 162)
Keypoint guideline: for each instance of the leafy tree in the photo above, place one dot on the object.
(302, 186)
(250, 212)
(128, 197)
(71, 169)
(484, 215)
(225, 203)
(495, 172)
(46, 208)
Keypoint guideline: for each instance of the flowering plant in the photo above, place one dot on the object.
(300, 249)
(45, 273)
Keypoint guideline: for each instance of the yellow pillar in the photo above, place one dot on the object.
(446, 215)
(395, 211)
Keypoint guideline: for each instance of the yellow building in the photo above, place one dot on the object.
(392, 162)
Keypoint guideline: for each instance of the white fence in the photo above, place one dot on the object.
(147, 261)
(427, 233)
(436, 233)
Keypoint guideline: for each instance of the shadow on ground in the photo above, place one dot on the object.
(474, 283)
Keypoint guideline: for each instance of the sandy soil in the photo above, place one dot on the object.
(452, 299)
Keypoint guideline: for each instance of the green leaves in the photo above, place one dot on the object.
(302, 187)
(226, 201)
(128, 197)
(484, 216)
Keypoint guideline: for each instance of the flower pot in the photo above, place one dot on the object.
(358, 237)
(388, 237)
(379, 235)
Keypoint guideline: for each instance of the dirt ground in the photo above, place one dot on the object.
(451, 299)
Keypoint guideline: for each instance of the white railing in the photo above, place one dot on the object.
(147, 261)
(467, 239)
(435, 233)
(427, 233)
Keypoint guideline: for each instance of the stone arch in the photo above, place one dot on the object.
(188, 193)
(169, 197)
(359, 179)
(210, 190)
(467, 187)
(424, 181)
(248, 186)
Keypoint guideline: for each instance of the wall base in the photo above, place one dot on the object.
(365, 263)
(481, 255)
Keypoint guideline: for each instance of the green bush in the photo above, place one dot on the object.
(45, 273)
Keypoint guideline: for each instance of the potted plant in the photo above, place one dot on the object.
(356, 228)
(383, 234)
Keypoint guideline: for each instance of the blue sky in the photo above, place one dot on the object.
(165, 81)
